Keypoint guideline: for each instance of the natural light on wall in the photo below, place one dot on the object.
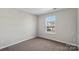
(50, 24)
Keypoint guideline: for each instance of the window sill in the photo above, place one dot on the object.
(51, 32)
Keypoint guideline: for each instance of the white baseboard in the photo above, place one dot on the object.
(17, 42)
(59, 41)
(78, 48)
(32, 38)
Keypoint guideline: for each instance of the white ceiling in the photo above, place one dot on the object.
(39, 11)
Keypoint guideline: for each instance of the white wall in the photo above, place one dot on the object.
(16, 26)
(78, 28)
(66, 20)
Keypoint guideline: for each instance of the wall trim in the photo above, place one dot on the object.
(58, 41)
(36, 37)
(17, 42)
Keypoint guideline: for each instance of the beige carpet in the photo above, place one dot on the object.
(40, 44)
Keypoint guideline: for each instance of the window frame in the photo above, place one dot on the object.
(46, 25)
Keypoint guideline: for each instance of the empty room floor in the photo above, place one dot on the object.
(40, 44)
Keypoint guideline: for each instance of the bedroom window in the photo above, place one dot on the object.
(50, 24)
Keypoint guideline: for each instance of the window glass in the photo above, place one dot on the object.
(50, 23)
